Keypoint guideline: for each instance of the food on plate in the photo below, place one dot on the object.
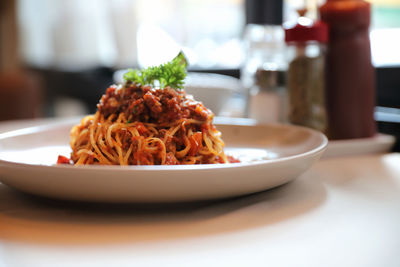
(148, 120)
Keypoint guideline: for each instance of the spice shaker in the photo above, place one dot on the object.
(262, 72)
(350, 75)
(267, 97)
(265, 61)
(306, 72)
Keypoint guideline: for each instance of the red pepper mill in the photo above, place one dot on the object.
(350, 76)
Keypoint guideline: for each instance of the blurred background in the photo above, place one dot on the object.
(58, 57)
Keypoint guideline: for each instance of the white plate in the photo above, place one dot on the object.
(271, 155)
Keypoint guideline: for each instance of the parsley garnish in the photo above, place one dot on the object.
(170, 74)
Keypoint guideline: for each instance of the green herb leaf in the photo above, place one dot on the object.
(171, 74)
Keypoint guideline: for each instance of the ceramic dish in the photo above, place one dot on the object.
(271, 155)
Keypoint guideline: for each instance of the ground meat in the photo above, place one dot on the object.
(146, 104)
(161, 133)
(153, 102)
(126, 139)
(117, 100)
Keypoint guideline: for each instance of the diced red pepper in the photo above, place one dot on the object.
(63, 160)
(231, 159)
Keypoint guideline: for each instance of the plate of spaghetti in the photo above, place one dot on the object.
(151, 142)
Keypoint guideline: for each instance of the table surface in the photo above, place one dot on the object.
(342, 212)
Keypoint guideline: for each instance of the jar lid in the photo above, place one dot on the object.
(305, 30)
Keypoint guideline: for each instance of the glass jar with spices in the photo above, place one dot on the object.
(306, 72)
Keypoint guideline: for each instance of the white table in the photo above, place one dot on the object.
(343, 212)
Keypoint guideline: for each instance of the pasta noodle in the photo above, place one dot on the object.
(140, 125)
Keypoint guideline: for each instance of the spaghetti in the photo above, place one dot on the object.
(141, 125)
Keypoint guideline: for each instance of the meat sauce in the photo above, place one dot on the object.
(145, 104)
(162, 107)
